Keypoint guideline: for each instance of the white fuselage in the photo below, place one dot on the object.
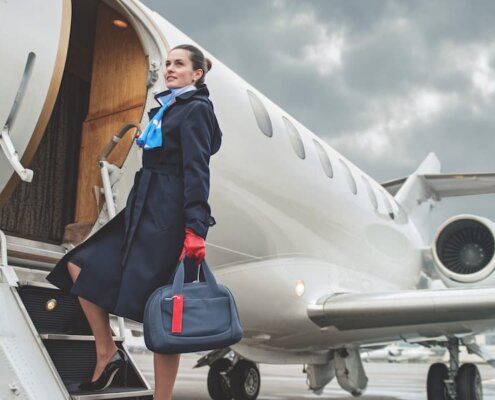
(281, 219)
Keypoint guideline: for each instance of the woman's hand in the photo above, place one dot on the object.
(194, 246)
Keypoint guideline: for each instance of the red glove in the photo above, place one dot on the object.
(194, 246)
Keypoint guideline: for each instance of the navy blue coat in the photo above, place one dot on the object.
(137, 251)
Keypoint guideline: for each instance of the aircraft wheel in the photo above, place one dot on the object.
(435, 385)
(245, 380)
(469, 386)
(218, 383)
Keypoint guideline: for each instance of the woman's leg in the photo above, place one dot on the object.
(166, 367)
(100, 325)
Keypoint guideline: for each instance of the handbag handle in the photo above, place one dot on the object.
(178, 284)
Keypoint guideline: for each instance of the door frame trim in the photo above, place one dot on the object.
(50, 99)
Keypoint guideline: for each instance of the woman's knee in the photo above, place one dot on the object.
(74, 270)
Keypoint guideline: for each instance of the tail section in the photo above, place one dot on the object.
(415, 188)
(416, 196)
(419, 192)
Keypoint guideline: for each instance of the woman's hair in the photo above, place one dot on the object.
(198, 60)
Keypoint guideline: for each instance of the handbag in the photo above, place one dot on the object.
(190, 317)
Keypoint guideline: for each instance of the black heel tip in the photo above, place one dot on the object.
(118, 360)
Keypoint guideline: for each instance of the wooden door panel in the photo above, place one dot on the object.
(118, 93)
(95, 136)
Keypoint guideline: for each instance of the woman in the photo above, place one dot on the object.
(167, 215)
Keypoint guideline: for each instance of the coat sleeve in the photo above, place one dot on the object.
(196, 140)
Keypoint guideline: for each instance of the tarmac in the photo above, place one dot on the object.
(404, 381)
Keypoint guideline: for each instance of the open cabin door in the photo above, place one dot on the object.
(33, 51)
(68, 114)
(117, 96)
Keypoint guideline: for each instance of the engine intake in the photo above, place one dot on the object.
(463, 249)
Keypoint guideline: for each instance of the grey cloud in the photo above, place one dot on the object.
(461, 139)
(382, 60)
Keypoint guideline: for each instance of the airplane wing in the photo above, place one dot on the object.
(449, 185)
(430, 312)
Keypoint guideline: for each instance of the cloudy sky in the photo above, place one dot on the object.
(383, 82)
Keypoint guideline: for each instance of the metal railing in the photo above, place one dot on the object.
(7, 273)
(106, 169)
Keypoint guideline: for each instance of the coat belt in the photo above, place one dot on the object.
(137, 199)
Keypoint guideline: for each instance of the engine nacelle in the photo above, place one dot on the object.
(463, 251)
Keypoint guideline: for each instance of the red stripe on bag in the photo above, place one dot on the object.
(177, 313)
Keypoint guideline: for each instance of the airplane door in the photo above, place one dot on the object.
(33, 49)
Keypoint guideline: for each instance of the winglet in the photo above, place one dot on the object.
(414, 189)
(430, 165)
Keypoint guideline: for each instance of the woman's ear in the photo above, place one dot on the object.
(198, 74)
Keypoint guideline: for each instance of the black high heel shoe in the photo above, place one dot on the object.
(118, 360)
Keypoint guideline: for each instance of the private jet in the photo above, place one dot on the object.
(322, 259)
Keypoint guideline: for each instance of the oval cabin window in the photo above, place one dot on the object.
(324, 160)
(348, 177)
(261, 114)
(388, 205)
(371, 193)
(295, 138)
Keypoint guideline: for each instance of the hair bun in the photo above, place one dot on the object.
(208, 64)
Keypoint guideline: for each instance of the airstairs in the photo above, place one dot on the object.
(46, 344)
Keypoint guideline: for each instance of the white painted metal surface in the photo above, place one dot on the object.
(26, 371)
(31, 34)
(7, 273)
(12, 155)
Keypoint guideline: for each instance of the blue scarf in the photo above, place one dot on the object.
(152, 134)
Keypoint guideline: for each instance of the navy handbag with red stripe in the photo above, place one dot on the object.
(189, 317)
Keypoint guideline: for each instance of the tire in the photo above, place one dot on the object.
(219, 385)
(469, 386)
(435, 385)
(245, 380)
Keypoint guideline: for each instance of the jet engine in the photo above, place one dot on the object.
(463, 251)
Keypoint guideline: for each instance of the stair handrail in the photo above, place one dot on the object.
(7, 272)
(13, 156)
(116, 139)
(105, 169)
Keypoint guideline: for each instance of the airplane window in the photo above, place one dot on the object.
(388, 205)
(349, 178)
(295, 138)
(371, 192)
(261, 114)
(324, 160)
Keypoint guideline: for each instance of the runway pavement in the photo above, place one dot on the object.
(386, 381)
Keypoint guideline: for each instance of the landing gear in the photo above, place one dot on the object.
(245, 380)
(239, 381)
(469, 385)
(218, 381)
(437, 375)
(454, 383)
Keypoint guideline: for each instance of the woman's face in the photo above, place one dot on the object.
(179, 71)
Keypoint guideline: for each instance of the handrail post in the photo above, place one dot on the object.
(13, 156)
(105, 168)
(7, 273)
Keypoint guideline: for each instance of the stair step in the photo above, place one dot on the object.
(87, 338)
(65, 316)
(33, 253)
(75, 362)
(115, 393)
(70, 345)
